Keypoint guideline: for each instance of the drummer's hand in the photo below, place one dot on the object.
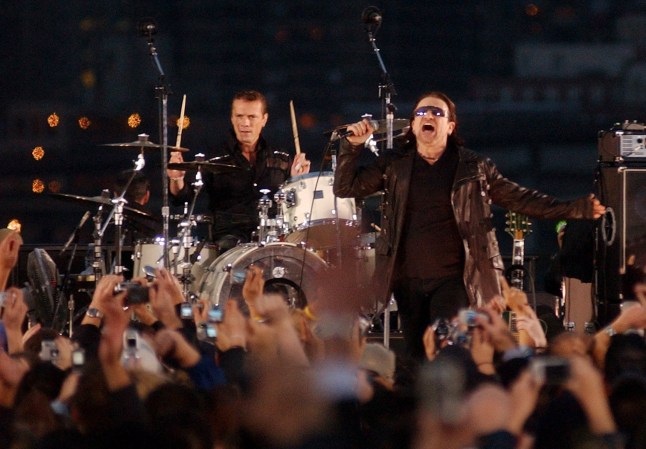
(175, 157)
(301, 165)
(360, 132)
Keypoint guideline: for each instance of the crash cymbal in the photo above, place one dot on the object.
(143, 143)
(212, 167)
(378, 125)
(99, 200)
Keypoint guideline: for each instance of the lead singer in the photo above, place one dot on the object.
(437, 249)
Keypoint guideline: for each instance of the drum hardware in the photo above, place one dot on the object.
(143, 143)
(211, 167)
(102, 200)
(264, 203)
(313, 214)
(185, 227)
(284, 264)
(118, 210)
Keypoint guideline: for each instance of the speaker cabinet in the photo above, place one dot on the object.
(621, 232)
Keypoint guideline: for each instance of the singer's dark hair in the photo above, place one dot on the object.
(251, 95)
(454, 138)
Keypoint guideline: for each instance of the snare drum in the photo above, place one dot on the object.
(283, 263)
(314, 215)
(150, 253)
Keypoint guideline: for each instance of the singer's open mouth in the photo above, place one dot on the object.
(428, 127)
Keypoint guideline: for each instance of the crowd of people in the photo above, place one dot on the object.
(139, 371)
(134, 373)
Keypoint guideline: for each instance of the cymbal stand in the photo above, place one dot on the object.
(117, 212)
(98, 264)
(185, 234)
(279, 199)
(264, 203)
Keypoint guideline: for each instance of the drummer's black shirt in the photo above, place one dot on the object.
(233, 196)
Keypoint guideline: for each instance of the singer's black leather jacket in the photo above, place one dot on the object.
(477, 185)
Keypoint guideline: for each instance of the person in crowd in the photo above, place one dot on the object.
(233, 195)
(437, 251)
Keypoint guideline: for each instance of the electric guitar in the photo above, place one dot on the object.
(518, 226)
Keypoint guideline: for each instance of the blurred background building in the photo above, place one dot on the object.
(534, 83)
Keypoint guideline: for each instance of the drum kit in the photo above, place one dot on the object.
(304, 238)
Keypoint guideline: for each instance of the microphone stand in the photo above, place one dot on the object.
(162, 91)
(386, 92)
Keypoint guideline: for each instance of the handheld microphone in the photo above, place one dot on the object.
(373, 123)
(378, 126)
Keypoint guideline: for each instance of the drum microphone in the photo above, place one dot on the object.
(84, 218)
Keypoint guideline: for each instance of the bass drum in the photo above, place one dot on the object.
(286, 266)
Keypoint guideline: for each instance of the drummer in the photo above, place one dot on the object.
(233, 196)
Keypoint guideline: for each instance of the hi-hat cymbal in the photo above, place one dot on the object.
(380, 126)
(212, 167)
(99, 200)
(143, 143)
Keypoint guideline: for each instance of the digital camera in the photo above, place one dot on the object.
(135, 293)
(48, 351)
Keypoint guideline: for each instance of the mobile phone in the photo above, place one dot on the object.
(550, 370)
(186, 310)
(78, 358)
(468, 317)
(131, 339)
(211, 330)
(48, 351)
(215, 314)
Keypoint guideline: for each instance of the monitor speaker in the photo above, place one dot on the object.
(621, 233)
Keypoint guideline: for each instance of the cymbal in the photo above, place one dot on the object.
(143, 143)
(212, 167)
(379, 125)
(99, 200)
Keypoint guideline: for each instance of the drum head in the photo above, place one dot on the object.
(287, 269)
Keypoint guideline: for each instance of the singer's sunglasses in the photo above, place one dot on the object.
(433, 110)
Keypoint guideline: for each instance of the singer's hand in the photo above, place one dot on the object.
(598, 209)
(361, 131)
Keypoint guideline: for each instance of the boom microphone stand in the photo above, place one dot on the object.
(148, 28)
(371, 17)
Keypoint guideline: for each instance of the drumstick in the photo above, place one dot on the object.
(180, 126)
(294, 127)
